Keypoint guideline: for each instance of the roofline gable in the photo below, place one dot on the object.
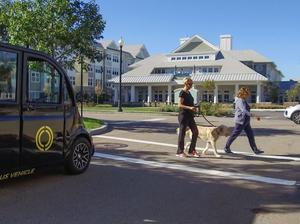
(195, 37)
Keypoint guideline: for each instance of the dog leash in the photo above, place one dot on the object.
(199, 113)
(207, 120)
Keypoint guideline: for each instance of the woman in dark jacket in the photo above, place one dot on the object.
(186, 119)
(242, 121)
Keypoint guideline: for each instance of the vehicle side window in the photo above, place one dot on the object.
(67, 98)
(43, 82)
(8, 76)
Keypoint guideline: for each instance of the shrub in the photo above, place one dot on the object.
(168, 108)
(211, 109)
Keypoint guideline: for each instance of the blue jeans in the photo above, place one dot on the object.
(237, 131)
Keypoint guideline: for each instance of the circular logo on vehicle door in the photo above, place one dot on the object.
(44, 138)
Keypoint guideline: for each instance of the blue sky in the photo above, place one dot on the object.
(269, 27)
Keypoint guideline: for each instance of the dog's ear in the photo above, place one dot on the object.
(215, 132)
(220, 129)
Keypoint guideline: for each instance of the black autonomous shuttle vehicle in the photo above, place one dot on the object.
(39, 120)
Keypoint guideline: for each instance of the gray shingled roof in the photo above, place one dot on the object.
(246, 55)
(165, 78)
(136, 50)
(155, 78)
(228, 77)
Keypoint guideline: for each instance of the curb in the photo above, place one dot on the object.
(269, 110)
(98, 131)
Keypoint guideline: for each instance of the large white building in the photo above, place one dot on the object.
(108, 67)
(158, 78)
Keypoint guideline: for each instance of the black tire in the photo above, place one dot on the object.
(79, 157)
(296, 117)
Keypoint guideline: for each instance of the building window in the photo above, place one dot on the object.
(210, 70)
(173, 59)
(72, 80)
(220, 98)
(195, 57)
(115, 58)
(206, 57)
(226, 96)
(108, 57)
(204, 96)
(160, 96)
(8, 74)
(200, 57)
(90, 68)
(35, 77)
(204, 69)
(216, 69)
(90, 82)
(98, 70)
(183, 58)
(178, 58)
(189, 58)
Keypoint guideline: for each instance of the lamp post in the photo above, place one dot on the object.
(121, 44)
(81, 85)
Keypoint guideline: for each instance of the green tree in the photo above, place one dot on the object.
(293, 92)
(65, 29)
(98, 91)
(273, 91)
(209, 85)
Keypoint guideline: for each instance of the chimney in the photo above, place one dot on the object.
(226, 42)
(183, 40)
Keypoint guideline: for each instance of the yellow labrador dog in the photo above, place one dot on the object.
(210, 135)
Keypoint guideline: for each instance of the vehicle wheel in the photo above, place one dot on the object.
(80, 156)
(296, 117)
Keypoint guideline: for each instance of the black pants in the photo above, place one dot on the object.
(237, 131)
(186, 120)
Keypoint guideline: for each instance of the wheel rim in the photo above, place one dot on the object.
(297, 118)
(81, 156)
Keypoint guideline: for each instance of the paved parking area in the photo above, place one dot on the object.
(151, 140)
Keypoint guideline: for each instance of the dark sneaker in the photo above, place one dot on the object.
(257, 151)
(227, 150)
(183, 155)
(194, 154)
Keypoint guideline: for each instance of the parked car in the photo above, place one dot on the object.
(293, 113)
(39, 120)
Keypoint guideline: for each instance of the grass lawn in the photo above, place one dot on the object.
(109, 108)
(91, 123)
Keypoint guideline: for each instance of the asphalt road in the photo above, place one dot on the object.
(136, 178)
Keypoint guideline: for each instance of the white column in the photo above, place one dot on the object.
(132, 94)
(258, 93)
(236, 89)
(116, 94)
(149, 94)
(169, 94)
(216, 90)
